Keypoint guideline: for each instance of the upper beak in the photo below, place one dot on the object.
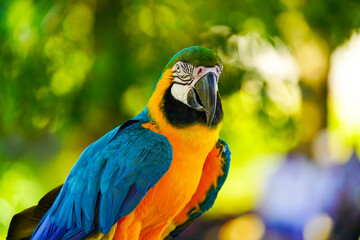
(203, 96)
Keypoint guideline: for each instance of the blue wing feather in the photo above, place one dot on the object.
(108, 181)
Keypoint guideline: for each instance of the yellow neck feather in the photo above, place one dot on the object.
(197, 135)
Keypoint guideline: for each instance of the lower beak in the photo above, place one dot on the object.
(203, 96)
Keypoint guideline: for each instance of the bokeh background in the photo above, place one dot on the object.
(71, 70)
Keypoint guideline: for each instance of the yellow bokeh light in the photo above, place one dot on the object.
(246, 227)
(146, 21)
(79, 22)
(311, 120)
(20, 17)
(7, 211)
(40, 121)
(134, 100)
(310, 51)
(318, 228)
(286, 95)
(61, 82)
(312, 58)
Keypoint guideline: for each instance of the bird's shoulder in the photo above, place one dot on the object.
(130, 138)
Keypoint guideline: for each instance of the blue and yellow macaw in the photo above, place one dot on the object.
(152, 176)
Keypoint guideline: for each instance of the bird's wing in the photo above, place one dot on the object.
(214, 173)
(109, 180)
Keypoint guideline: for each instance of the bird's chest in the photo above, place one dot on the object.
(175, 189)
(183, 177)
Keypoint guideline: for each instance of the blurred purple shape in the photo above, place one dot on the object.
(301, 190)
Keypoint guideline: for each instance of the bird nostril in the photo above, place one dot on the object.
(199, 71)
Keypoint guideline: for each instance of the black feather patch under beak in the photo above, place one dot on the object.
(203, 96)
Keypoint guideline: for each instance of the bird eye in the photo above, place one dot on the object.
(217, 69)
(177, 68)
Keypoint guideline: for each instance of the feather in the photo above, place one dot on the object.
(24, 223)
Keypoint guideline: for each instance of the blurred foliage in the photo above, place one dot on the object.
(72, 70)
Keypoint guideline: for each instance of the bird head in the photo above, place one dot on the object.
(187, 92)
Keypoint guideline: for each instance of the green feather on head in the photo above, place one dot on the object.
(198, 56)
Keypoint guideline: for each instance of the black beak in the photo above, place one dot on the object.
(203, 96)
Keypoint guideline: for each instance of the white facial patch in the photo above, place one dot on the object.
(180, 92)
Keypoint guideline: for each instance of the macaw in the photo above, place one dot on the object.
(150, 177)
